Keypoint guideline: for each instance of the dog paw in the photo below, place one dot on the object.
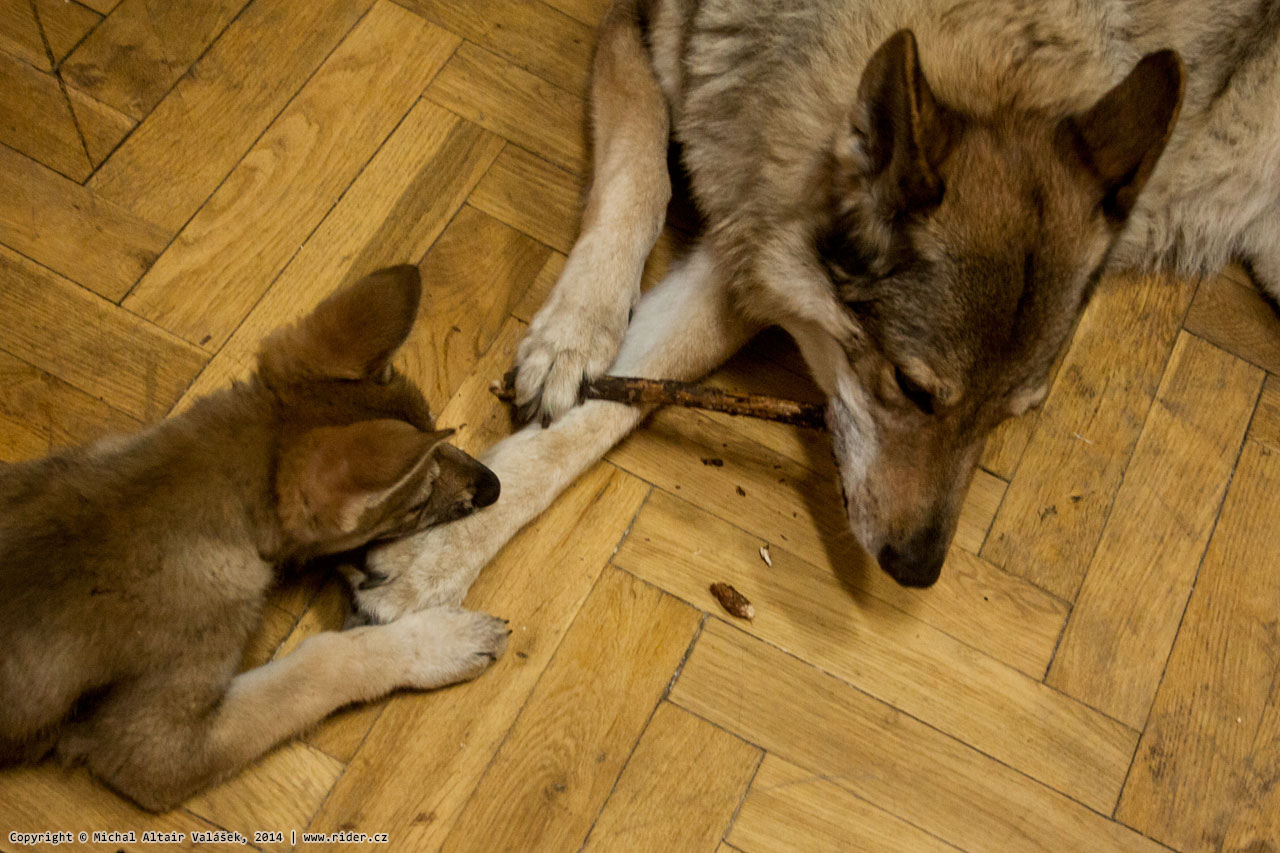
(445, 645)
(568, 344)
(553, 365)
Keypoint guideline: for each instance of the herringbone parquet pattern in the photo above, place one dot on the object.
(1099, 668)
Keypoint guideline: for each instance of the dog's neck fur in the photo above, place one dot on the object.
(209, 470)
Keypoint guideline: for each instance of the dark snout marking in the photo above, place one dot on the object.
(487, 489)
(918, 562)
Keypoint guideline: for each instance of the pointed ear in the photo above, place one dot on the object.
(1119, 141)
(906, 131)
(334, 480)
(351, 335)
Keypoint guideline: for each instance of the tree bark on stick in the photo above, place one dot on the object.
(668, 392)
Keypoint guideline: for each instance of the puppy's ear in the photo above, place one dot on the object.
(905, 133)
(339, 481)
(1118, 142)
(351, 335)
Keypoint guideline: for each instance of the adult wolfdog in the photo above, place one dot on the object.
(923, 193)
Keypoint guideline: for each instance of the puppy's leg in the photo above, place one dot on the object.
(577, 332)
(158, 749)
(683, 328)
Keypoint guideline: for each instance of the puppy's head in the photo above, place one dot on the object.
(358, 455)
(960, 251)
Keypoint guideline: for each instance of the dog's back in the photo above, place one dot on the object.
(109, 558)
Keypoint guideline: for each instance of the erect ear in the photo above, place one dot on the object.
(351, 335)
(907, 132)
(331, 479)
(1120, 140)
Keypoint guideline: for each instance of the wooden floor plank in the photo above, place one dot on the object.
(472, 277)
(1126, 618)
(36, 119)
(1256, 821)
(559, 762)
(1007, 444)
(395, 210)
(90, 343)
(680, 788)
(426, 753)
(102, 127)
(132, 60)
(533, 196)
(986, 493)
(1049, 524)
(282, 789)
(65, 24)
(291, 178)
(544, 201)
(1229, 311)
(40, 413)
(789, 808)
(884, 652)
(176, 158)
(800, 511)
(20, 34)
(533, 36)
(483, 87)
(1194, 767)
(71, 230)
(1266, 420)
(102, 7)
(538, 291)
(878, 753)
(480, 418)
(589, 12)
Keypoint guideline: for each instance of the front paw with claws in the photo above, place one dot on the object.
(558, 357)
(445, 645)
(573, 338)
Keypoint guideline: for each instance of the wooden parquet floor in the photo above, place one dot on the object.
(1099, 668)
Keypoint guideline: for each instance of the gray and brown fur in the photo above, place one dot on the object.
(133, 571)
(922, 192)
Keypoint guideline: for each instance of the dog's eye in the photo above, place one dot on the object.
(910, 389)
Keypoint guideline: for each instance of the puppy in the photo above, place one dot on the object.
(133, 571)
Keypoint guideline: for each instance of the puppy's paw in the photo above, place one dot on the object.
(445, 645)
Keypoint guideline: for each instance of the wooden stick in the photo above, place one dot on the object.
(668, 392)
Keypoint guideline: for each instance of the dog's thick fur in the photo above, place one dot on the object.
(922, 192)
(133, 571)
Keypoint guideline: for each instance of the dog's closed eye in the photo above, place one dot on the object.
(913, 391)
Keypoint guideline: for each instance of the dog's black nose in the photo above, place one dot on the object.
(487, 489)
(918, 563)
